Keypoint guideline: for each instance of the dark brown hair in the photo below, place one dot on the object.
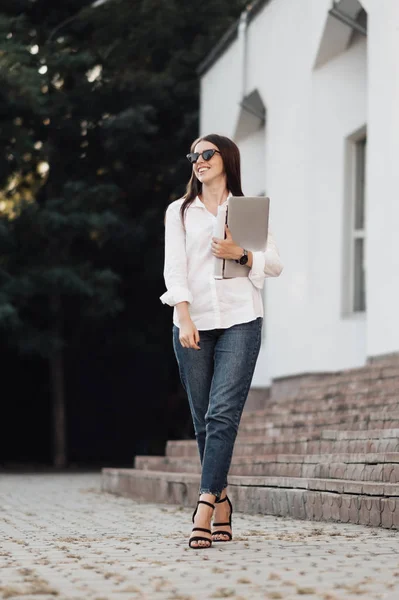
(232, 165)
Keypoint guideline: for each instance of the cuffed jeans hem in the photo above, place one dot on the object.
(216, 494)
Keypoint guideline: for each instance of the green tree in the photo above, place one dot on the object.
(54, 235)
(98, 105)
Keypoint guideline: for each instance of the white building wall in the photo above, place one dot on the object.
(310, 114)
(219, 106)
(254, 170)
(383, 178)
(338, 109)
(253, 163)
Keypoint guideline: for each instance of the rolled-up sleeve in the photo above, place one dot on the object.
(175, 268)
(265, 264)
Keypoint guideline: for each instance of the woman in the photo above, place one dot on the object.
(217, 323)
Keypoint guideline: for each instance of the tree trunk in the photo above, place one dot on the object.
(58, 389)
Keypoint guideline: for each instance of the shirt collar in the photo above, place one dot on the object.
(197, 201)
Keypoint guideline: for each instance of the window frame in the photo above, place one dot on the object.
(355, 205)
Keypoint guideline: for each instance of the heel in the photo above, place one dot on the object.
(220, 532)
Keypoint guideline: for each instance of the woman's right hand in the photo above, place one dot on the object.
(189, 336)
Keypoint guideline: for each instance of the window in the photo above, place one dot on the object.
(358, 227)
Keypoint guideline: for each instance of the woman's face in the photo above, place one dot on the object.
(208, 171)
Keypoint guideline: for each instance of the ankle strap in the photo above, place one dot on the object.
(207, 503)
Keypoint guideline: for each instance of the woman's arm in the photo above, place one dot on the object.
(175, 274)
(265, 264)
(188, 333)
(175, 267)
(261, 264)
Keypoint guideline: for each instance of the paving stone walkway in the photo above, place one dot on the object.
(61, 537)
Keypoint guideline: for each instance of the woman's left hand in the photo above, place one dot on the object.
(226, 248)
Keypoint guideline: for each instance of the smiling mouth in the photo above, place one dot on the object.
(203, 170)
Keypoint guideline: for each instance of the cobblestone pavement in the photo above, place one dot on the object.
(61, 537)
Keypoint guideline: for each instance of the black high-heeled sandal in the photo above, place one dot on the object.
(199, 538)
(219, 532)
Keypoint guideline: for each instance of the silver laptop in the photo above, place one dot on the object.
(248, 220)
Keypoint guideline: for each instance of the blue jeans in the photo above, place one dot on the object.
(217, 379)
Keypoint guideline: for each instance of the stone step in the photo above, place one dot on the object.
(328, 442)
(326, 407)
(375, 387)
(376, 394)
(282, 413)
(369, 374)
(376, 375)
(373, 384)
(348, 382)
(360, 467)
(271, 433)
(305, 402)
(260, 425)
(346, 501)
(293, 432)
(311, 434)
(370, 434)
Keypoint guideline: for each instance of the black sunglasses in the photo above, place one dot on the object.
(206, 155)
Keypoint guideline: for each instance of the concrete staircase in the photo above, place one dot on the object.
(320, 447)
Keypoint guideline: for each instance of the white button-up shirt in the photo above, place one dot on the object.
(189, 272)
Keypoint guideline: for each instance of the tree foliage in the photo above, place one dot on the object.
(98, 106)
